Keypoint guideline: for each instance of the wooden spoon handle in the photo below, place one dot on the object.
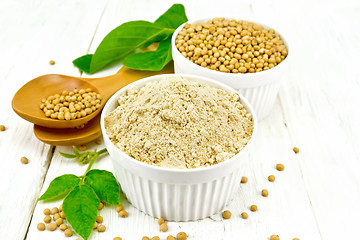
(111, 84)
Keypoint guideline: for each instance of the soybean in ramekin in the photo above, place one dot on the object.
(260, 88)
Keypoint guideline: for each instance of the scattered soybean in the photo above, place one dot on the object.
(265, 193)
(271, 178)
(41, 226)
(101, 228)
(253, 208)
(244, 180)
(163, 227)
(181, 236)
(296, 149)
(46, 211)
(24, 160)
(99, 219)
(123, 213)
(51, 226)
(161, 221)
(226, 214)
(68, 233)
(280, 167)
(119, 208)
(274, 237)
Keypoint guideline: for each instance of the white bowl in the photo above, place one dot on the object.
(177, 194)
(260, 88)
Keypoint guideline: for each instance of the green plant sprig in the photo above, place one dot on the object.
(84, 157)
(125, 42)
(82, 194)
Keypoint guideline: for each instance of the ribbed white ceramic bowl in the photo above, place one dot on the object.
(260, 88)
(177, 194)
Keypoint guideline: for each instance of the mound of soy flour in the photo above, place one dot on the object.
(179, 123)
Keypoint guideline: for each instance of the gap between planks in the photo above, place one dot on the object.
(96, 29)
(48, 159)
(299, 166)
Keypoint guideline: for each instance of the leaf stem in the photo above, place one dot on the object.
(94, 156)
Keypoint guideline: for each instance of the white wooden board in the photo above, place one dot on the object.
(317, 195)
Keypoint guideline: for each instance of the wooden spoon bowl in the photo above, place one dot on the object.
(69, 136)
(27, 100)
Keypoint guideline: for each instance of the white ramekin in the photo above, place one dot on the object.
(260, 88)
(177, 194)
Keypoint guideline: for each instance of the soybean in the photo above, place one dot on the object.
(161, 221)
(71, 105)
(274, 237)
(163, 227)
(119, 208)
(244, 215)
(231, 46)
(181, 236)
(41, 226)
(244, 180)
(24, 160)
(63, 227)
(46, 211)
(123, 213)
(265, 193)
(99, 219)
(280, 167)
(101, 228)
(253, 208)
(271, 178)
(68, 233)
(51, 226)
(226, 214)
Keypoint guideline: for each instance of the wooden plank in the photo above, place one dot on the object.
(32, 33)
(322, 114)
(320, 106)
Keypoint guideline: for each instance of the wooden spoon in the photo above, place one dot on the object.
(27, 100)
(69, 136)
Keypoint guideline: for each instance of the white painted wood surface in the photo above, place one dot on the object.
(316, 197)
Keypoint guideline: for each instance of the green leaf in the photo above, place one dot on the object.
(152, 60)
(104, 184)
(76, 152)
(80, 208)
(60, 186)
(83, 62)
(124, 40)
(173, 17)
(67, 155)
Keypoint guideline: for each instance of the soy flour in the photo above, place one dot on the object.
(179, 123)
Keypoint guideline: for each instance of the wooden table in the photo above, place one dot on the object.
(317, 110)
